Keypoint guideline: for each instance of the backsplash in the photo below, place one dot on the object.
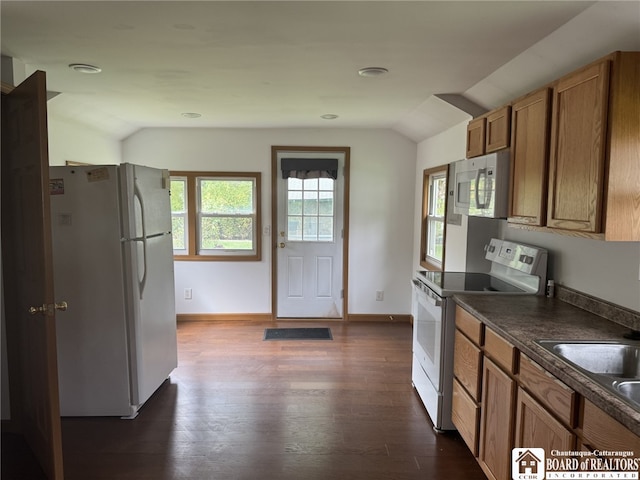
(615, 313)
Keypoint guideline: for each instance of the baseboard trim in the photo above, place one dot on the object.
(367, 317)
(267, 317)
(224, 317)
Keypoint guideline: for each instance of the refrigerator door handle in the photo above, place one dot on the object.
(141, 281)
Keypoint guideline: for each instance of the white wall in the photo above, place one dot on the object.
(70, 140)
(381, 211)
(608, 270)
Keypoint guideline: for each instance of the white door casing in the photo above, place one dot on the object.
(309, 240)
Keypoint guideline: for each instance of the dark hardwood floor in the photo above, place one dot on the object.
(239, 407)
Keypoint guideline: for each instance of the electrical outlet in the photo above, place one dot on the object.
(188, 294)
(379, 296)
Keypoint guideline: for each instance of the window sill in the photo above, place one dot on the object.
(434, 267)
(217, 258)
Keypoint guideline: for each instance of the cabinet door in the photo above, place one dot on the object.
(578, 139)
(498, 128)
(476, 137)
(467, 361)
(529, 159)
(496, 429)
(537, 428)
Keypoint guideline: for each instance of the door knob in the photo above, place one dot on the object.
(47, 309)
(281, 244)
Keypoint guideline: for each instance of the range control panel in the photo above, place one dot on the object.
(524, 258)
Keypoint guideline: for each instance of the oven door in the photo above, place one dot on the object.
(427, 332)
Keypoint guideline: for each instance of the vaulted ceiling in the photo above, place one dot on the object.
(267, 64)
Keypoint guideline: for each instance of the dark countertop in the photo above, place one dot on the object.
(523, 319)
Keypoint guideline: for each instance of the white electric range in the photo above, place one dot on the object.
(515, 269)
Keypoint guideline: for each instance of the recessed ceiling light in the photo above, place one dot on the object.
(84, 68)
(329, 116)
(372, 71)
(191, 115)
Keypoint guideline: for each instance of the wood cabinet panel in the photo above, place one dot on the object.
(499, 350)
(601, 432)
(465, 414)
(496, 424)
(467, 365)
(578, 138)
(529, 158)
(476, 137)
(552, 393)
(537, 428)
(469, 325)
(622, 217)
(498, 128)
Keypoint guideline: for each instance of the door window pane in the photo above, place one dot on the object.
(310, 209)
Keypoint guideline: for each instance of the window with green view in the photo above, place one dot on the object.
(215, 215)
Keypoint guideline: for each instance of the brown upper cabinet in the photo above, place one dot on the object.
(498, 128)
(529, 158)
(489, 133)
(476, 137)
(578, 142)
(594, 174)
(588, 184)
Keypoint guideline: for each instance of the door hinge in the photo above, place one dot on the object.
(342, 293)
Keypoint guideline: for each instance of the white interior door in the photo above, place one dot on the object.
(310, 226)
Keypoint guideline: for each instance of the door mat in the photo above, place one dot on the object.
(297, 334)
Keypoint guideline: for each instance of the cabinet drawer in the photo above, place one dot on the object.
(601, 432)
(500, 351)
(548, 390)
(465, 415)
(467, 365)
(469, 325)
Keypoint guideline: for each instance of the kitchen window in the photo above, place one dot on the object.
(434, 196)
(215, 215)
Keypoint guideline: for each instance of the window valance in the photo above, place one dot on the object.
(309, 168)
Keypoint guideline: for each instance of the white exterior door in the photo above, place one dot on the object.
(309, 239)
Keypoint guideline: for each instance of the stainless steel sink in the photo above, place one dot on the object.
(630, 390)
(615, 359)
(614, 365)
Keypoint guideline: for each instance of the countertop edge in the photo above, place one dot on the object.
(598, 328)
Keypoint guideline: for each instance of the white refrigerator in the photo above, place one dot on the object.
(113, 264)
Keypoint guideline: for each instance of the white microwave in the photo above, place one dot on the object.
(481, 186)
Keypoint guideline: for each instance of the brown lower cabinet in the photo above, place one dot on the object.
(520, 404)
(536, 426)
(601, 432)
(496, 424)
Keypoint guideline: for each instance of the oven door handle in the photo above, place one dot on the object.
(426, 293)
(433, 299)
